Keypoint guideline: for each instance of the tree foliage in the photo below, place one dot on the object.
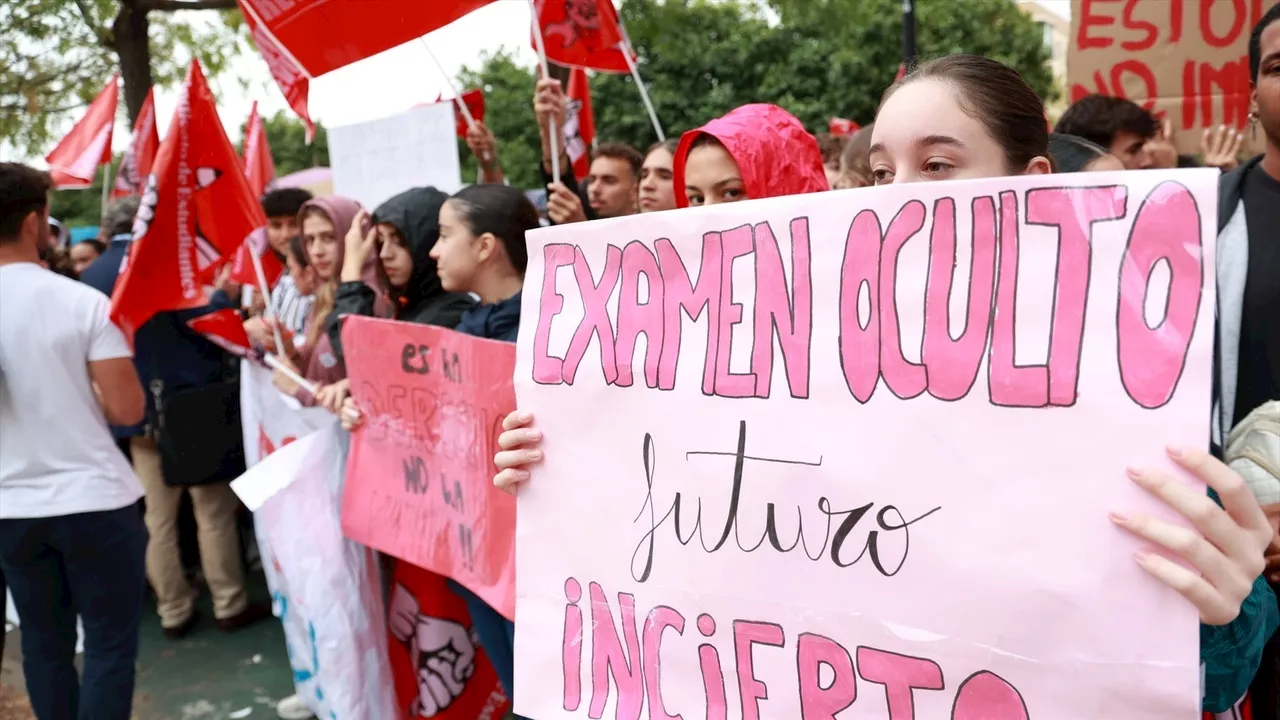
(817, 58)
(58, 54)
(287, 137)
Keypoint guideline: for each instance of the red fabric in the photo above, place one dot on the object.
(474, 100)
(841, 126)
(242, 270)
(293, 81)
(259, 167)
(224, 328)
(580, 125)
(131, 178)
(324, 35)
(775, 154)
(583, 34)
(75, 160)
(196, 212)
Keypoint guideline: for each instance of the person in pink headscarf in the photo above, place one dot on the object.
(324, 223)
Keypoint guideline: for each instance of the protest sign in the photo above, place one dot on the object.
(440, 668)
(1185, 59)
(420, 477)
(372, 161)
(858, 449)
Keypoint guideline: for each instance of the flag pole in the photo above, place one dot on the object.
(267, 310)
(627, 54)
(106, 190)
(552, 130)
(457, 96)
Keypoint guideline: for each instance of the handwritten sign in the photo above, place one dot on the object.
(372, 161)
(420, 475)
(858, 449)
(1186, 59)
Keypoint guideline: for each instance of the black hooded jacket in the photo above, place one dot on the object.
(416, 215)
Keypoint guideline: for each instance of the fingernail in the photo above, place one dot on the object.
(1141, 557)
(1119, 519)
(1134, 473)
(533, 435)
(1177, 452)
(522, 474)
(524, 416)
(535, 455)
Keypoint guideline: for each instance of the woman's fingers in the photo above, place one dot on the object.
(514, 438)
(506, 459)
(516, 419)
(508, 480)
(1238, 500)
(1214, 607)
(1213, 522)
(1226, 577)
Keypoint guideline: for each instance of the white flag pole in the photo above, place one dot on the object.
(552, 129)
(627, 54)
(267, 310)
(457, 96)
(106, 190)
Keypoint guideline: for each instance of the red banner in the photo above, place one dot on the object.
(440, 669)
(75, 160)
(225, 328)
(841, 126)
(583, 33)
(259, 166)
(420, 472)
(131, 178)
(580, 123)
(474, 100)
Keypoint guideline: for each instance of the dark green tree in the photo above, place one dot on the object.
(287, 137)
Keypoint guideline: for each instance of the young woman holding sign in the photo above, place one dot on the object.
(965, 117)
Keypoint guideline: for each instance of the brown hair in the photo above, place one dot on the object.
(995, 95)
(670, 145)
(855, 161)
(621, 151)
(831, 147)
(23, 190)
(326, 292)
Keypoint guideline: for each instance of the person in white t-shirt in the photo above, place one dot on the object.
(72, 538)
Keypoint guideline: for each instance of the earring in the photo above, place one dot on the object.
(1253, 125)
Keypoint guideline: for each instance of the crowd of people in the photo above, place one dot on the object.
(90, 512)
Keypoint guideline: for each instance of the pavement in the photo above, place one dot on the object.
(209, 675)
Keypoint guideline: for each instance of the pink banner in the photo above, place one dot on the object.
(420, 473)
(858, 450)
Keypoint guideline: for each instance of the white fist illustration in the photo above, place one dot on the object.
(443, 652)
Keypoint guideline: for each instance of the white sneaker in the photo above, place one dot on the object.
(292, 708)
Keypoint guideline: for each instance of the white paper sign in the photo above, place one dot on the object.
(372, 161)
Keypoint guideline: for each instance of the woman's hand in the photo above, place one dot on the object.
(282, 381)
(1229, 555)
(519, 444)
(350, 414)
(1220, 148)
(358, 245)
(1163, 153)
(331, 397)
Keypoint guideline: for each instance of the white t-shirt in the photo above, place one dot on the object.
(57, 456)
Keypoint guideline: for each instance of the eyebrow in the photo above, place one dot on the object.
(924, 142)
(726, 181)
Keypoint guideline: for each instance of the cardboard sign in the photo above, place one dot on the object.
(420, 475)
(859, 449)
(375, 160)
(1184, 59)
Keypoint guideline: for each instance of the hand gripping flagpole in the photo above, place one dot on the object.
(552, 129)
(267, 310)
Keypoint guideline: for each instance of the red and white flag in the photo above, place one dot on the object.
(75, 160)
(223, 328)
(131, 178)
(259, 167)
(583, 34)
(580, 123)
(304, 39)
(242, 270)
(474, 100)
(195, 214)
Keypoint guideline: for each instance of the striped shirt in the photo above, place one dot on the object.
(291, 306)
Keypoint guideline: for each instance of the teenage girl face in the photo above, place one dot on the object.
(711, 177)
(656, 189)
(304, 278)
(321, 242)
(923, 134)
(458, 253)
(394, 255)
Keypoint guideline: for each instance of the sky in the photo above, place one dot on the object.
(376, 87)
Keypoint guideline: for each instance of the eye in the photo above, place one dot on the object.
(695, 200)
(732, 193)
(881, 176)
(938, 167)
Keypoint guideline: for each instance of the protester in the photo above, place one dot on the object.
(72, 539)
(405, 227)
(84, 253)
(855, 161)
(832, 148)
(755, 151)
(484, 146)
(289, 305)
(965, 117)
(1073, 154)
(656, 187)
(174, 362)
(1249, 300)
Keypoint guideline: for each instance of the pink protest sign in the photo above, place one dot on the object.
(852, 454)
(420, 474)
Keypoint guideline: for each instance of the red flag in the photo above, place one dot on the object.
(902, 71)
(242, 266)
(474, 100)
(294, 82)
(580, 123)
(841, 126)
(259, 168)
(324, 35)
(75, 160)
(583, 34)
(223, 328)
(196, 212)
(131, 178)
